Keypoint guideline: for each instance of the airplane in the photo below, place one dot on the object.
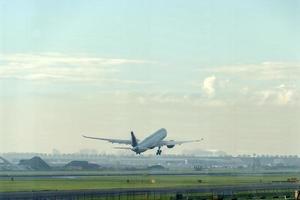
(154, 140)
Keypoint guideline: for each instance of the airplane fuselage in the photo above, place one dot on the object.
(151, 141)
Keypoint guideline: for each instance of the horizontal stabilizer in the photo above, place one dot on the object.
(122, 148)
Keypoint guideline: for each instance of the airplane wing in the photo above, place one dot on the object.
(123, 148)
(110, 140)
(172, 142)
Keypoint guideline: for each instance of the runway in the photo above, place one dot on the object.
(140, 191)
(154, 173)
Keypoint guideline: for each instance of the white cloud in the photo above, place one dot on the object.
(254, 84)
(47, 58)
(245, 90)
(265, 96)
(166, 99)
(260, 71)
(281, 95)
(209, 86)
(61, 67)
(285, 95)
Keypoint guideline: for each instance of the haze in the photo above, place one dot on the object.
(227, 71)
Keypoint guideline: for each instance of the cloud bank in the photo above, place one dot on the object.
(61, 67)
(266, 83)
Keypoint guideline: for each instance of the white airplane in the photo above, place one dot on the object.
(154, 140)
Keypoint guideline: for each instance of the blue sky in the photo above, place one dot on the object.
(136, 55)
(193, 32)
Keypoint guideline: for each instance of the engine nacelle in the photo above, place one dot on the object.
(171, 146)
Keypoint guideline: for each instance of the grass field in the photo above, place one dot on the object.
(137, 181)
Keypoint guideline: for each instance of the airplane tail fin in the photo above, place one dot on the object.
(134, 142)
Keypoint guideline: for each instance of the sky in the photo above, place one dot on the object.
(226, 71)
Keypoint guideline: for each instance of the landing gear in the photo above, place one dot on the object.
(159, 151)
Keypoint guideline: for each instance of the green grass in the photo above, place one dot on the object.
(138, 181)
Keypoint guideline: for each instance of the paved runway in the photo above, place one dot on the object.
(154, 173)
(116, 192)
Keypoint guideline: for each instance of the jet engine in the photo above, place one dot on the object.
(171, 146)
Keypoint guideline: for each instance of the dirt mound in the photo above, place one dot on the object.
(5, 164)
(81, 165)
(35, 163)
